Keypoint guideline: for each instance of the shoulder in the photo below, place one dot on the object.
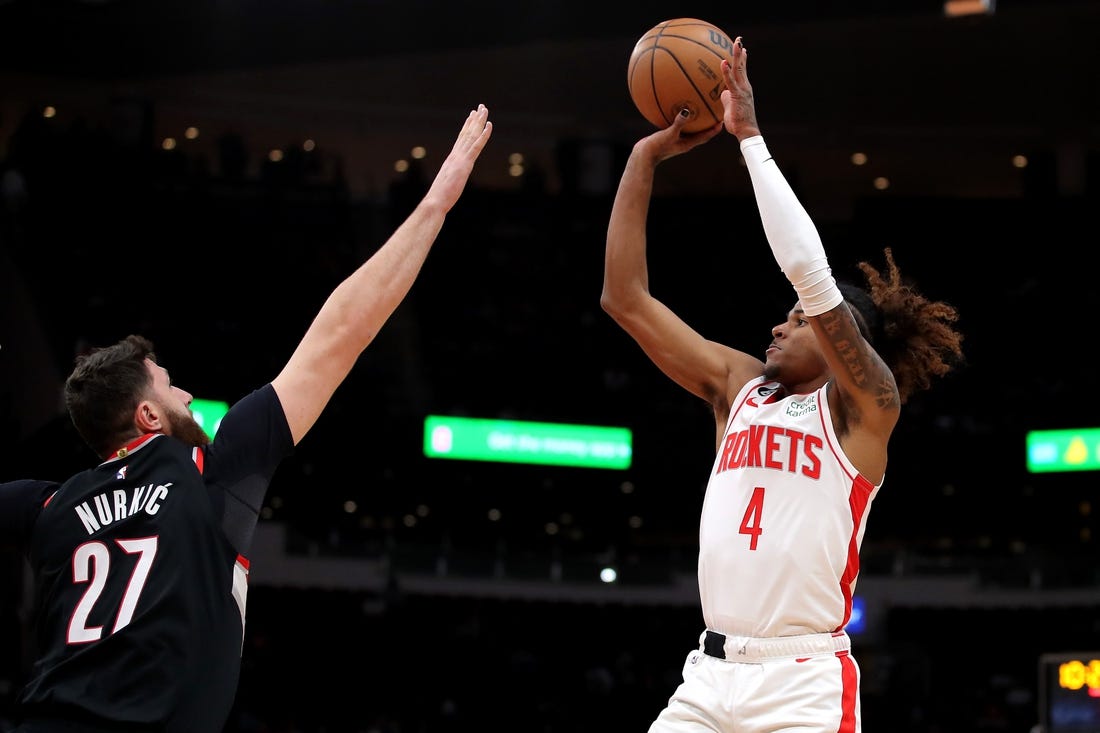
(253, 435)
(28, 489)
(259, 406)
(258, 415)
(21, 502)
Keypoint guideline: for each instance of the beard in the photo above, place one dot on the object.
(183, 427)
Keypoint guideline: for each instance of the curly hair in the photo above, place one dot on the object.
(915, 336)
(105, 388)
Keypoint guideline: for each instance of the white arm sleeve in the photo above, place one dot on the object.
(791, 233)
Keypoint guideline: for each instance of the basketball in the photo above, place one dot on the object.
(676, 65)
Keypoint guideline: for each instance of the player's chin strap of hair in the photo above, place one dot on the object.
(790, 231)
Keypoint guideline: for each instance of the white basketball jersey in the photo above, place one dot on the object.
(782, 520)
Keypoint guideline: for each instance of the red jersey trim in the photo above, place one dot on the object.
(198, 455)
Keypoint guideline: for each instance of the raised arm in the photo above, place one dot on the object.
(704, 368)
(355, 311)
(863, 386)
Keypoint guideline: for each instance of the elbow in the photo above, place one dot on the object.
(606, 301)
(624, 296)
(622, 308)
(611, 303)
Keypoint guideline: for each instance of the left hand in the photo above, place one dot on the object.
(738, 104)
(459, 164)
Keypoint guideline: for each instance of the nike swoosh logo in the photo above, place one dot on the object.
(800, 660)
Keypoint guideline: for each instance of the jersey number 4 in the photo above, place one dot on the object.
(92, 565)
(750, 523)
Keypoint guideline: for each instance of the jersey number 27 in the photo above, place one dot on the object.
(92, 565)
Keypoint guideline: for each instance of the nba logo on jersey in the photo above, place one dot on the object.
(121, 473)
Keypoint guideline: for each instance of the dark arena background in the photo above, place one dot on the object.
(204, 172)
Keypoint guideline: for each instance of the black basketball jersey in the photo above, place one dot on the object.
(141, 577)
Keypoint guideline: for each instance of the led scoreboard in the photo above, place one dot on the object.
(1069, 692)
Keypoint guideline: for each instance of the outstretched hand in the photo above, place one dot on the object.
(455, 172)
(672, 140)
(739, 108)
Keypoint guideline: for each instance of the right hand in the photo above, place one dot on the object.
(672, 141)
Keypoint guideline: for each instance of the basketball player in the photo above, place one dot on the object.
(141, 563)
(800, 452)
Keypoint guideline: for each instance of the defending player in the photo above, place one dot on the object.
(141, 563)
(801, 446)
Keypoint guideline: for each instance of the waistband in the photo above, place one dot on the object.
(752, 649)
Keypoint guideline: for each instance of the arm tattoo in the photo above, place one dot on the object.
(845, 340)
(887, 395)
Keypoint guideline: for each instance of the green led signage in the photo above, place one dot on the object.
(208, 414)
(514, 441)
(1050, 451)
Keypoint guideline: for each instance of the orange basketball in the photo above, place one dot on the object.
(677, 65)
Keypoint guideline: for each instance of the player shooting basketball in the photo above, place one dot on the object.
(801, 446)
